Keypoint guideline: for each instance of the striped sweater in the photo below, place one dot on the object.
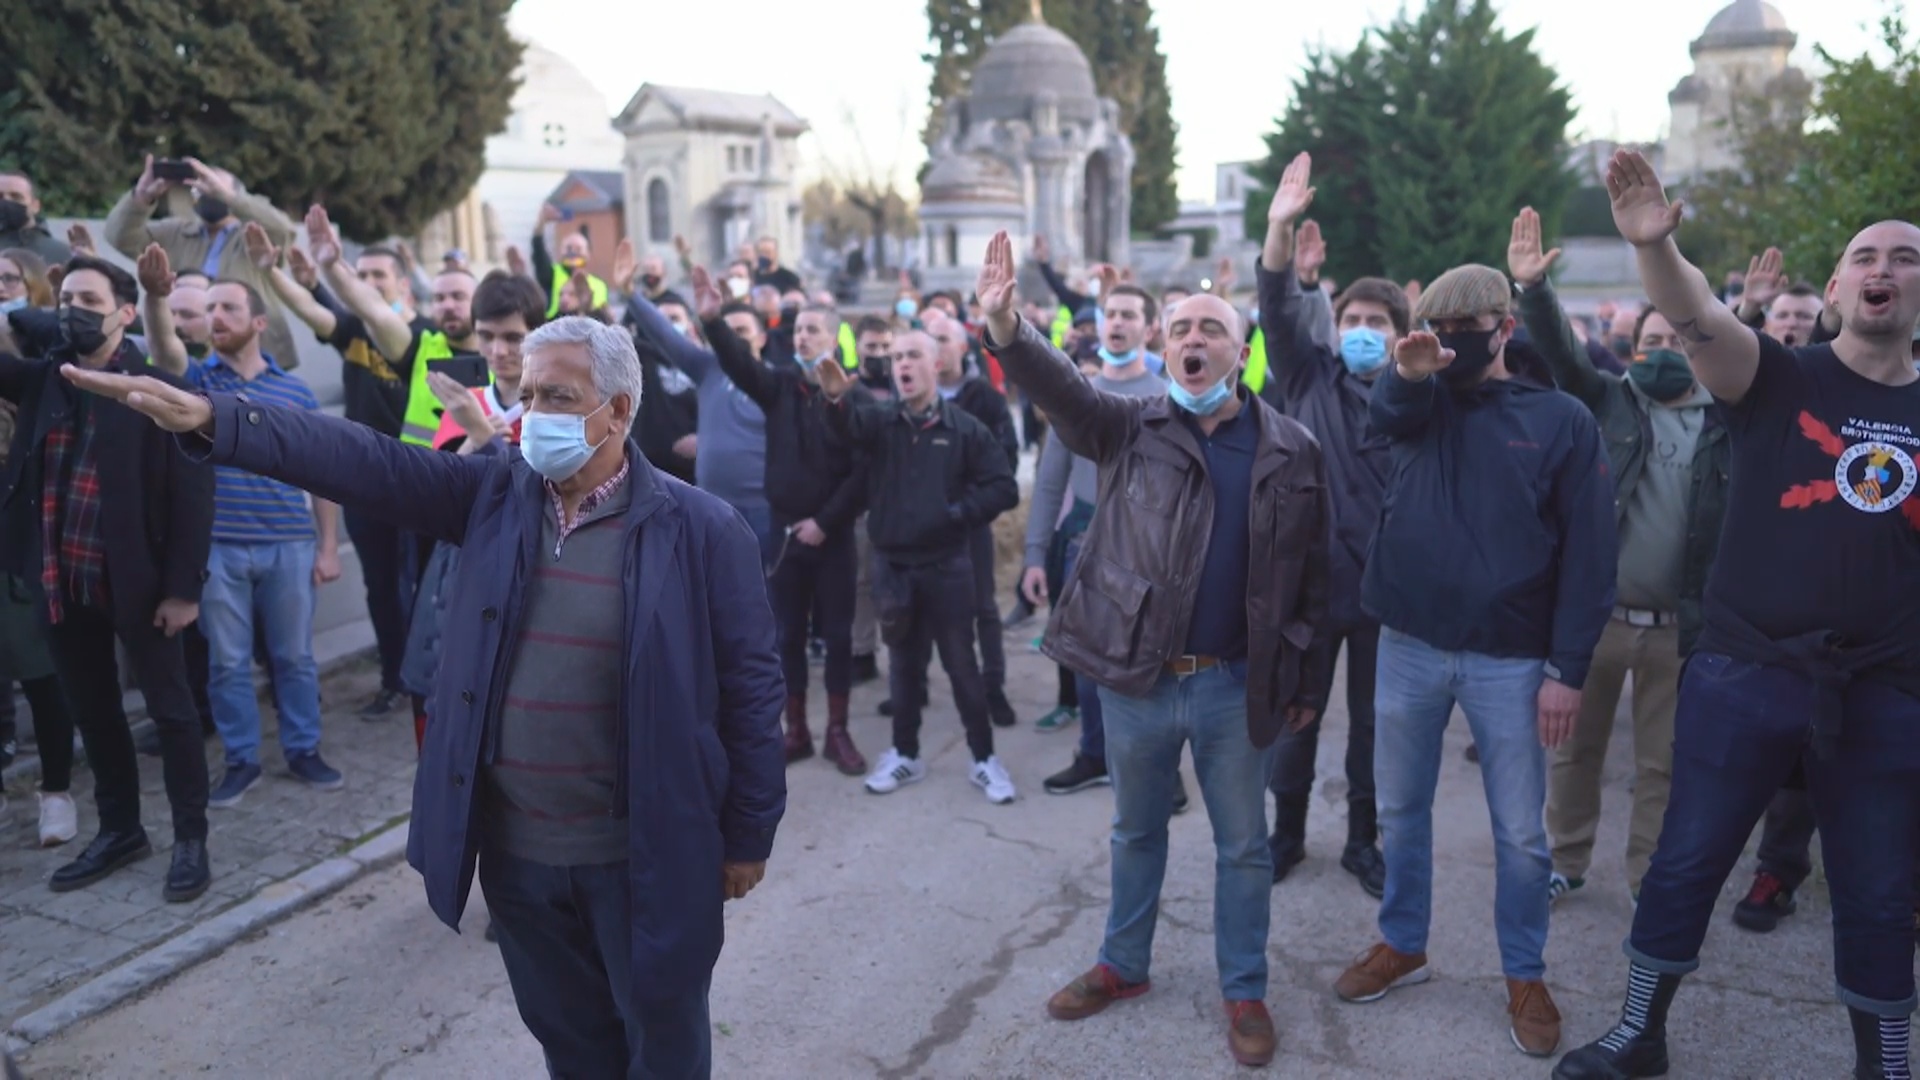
(550, 789)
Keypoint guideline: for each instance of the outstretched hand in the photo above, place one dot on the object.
(80, 239)
(321, 239)
(1640, 208)
(707, 301)
(169, 406)
(1419, 355)
(260, 250)
(1309, 252)
(302, 269)
(625, 267)
(1525, 261)
(834, 378)
(1295, 191)
(1766, 280)
(995, 287)
(154, 272)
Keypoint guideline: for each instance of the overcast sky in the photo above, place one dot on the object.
(853, 67)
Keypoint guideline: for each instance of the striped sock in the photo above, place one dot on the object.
(1893, 1047)
(1641, 983)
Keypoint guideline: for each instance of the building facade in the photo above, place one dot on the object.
(1743, 53)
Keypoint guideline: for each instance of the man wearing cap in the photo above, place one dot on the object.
(1502, 482)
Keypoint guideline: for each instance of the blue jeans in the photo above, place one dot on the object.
(274, 584)
(1738, 732)
(1417, 687)
(566, 937)
(760, 520)
(1093, 728)
(1144, 735)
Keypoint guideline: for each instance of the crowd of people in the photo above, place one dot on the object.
(607, 527)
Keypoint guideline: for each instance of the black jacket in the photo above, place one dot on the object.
(811, 472)
(982, 402)
(156, 507)
(1497, 535)
(1310, 383)
(930, 481)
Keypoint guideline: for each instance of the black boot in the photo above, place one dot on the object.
(1876, 1042)
(1361, 858)
(1637, 1045)
(190, 873)
(1289, 840)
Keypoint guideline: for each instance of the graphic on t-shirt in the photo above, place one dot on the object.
(1874, 475)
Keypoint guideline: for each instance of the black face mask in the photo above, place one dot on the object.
(13, 216)
(198, 350)
(1736, 289)
(84, 330)
(1620, 347)
(651, 281)
(1472, 355)
(1662, 374)
(764, 263)
(211, 210)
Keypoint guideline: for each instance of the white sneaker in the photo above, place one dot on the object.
(59, 822)
(991, 777)
(894, 772)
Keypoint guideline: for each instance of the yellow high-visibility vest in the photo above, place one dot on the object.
(562, 275)
(1062, 326)
(1255, 375)
(849, 350)
(422, 421)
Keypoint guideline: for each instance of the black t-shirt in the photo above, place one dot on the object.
(1823, 519)
(375, 390)
(779, 277)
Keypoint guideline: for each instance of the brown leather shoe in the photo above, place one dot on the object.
(1536, 1023)
(799, 739)
(837, 746)
(1092, 993)
(1379, 970)
(1250, 1032)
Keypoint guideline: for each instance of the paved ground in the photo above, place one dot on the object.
(49, 941)
(919, 935)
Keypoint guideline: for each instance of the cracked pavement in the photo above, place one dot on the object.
(918, 935)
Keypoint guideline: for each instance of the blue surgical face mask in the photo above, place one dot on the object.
(906, 309)
(15, 304)
(1108, 358)
(555, 444)
(1205, 404)
(1364, 350)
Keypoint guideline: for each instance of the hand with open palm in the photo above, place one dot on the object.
(1640, 208)
(1525, 261)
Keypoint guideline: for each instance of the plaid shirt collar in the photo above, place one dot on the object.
(594, 498)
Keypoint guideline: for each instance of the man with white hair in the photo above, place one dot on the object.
(612, 803)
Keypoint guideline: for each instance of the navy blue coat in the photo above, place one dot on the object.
(705, 777)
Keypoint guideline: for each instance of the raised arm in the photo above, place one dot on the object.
(1092, 424)
(266, 259)
(1063, 293)
(1723, 353)
(1546, 322)
(246, 206)
(420, 490)
(542, 261)
(385, 328)
(164, 346)
(754, 379)
(686, 355)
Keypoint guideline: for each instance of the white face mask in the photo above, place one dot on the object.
(555, 444)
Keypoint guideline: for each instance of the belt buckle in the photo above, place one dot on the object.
(1184, 666)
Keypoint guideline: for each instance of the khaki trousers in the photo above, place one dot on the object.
(1652, 655)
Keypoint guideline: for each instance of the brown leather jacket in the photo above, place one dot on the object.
(1126, 610)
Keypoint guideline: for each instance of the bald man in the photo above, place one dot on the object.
(1800, 622)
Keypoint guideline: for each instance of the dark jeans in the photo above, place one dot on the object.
(1738, 732)
(566, 936)
(82, 648)
(921, 608)
(1292, 780)
(382, 550)
(52, 729)
(1786, 838)
(986, 611)
(811, 579)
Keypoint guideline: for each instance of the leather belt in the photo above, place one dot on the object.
(1191, 665)
(1638, 617)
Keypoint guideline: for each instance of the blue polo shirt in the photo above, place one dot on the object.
(1219, 625)
(250, 509)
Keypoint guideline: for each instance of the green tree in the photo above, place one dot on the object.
(1427, 137)
(1738, 212)
(379, 108)
(1123, 47)
(1862, 158)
